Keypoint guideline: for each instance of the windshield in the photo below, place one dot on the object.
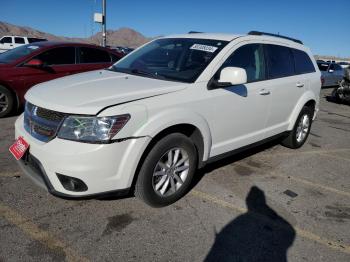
(16, 53)
(174, 59)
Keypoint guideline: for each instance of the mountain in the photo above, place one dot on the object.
(121, 37)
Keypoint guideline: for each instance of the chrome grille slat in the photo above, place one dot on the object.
(42, 123)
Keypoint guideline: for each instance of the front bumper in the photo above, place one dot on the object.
(103, 168)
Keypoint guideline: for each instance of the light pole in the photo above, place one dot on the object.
(104, 36)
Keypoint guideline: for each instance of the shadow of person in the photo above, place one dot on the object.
(260, 234)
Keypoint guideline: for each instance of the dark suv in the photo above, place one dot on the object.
(27, 65)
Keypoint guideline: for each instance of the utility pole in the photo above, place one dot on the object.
(104, 36)
(101, 19)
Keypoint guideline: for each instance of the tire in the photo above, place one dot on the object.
(7, 102)
(154, 185)
(336, 96)
(295, 139)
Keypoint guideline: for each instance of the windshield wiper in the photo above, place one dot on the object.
(146, 73)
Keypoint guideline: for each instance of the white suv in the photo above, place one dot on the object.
(8, 42)
(148, 122)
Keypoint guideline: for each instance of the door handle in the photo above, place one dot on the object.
(264, 92)
(300, 85)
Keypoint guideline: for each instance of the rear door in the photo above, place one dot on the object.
(90, 58)
(286, 87)
(19, 41)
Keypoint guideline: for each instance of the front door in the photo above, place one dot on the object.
(58, 62)
(237, 115)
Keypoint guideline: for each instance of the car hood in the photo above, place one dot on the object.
(89, 93)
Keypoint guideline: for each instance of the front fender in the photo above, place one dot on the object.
(306, 97)
(176, 116)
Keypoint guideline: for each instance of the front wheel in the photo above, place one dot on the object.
(167, 171)
(301, 130)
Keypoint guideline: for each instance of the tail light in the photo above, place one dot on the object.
(322, 80)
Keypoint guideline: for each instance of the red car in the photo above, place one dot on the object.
(25, 66)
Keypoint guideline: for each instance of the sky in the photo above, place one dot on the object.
(323, 25)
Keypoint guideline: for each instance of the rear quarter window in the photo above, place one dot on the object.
(93, 55)
(303, 63)
(280, 61)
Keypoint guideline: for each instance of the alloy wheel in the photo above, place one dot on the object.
(4, 102)
(171, 172)
(303, 128)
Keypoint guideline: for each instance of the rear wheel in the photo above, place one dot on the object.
(7, 102)
(167, 171)
(301, 130)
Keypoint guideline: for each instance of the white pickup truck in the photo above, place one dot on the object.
(10, 42)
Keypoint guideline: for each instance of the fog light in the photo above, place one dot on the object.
(72, 183)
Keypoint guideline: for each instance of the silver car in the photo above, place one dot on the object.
(332, 73)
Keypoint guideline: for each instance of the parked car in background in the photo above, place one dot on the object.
(28, 65)
(344, 64)
(124, 50)
(10, 42)
(332, 73)
(148, 122)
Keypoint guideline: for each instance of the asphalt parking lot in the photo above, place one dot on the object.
(267, 204)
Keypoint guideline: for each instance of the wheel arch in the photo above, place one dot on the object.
(14, 93)
(308, 99)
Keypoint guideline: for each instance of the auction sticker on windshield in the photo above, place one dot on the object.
(205, 48)
(19, 148)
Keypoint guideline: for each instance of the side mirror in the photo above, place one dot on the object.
(233, 76)
(330, 70)
(34, 63)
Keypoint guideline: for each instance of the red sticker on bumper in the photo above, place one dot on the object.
(19, 148)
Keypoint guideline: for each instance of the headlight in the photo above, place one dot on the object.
(92, 129)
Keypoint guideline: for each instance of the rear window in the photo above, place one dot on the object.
(280, 61)
(19, 40)
(93, 55)
(303, 63)
(323, 66)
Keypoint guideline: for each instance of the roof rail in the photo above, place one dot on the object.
(275, 35)
(194, 32)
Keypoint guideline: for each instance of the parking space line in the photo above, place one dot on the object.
(38, 234)
(299, 180)
(9, 174)
(301, 232)
(335, 156)
(297, 152)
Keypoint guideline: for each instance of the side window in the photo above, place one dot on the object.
(93, 55)
(280, 61)
(331, 67)
(58, 56)
(303, 63)
(6, 40)
(251, 58)
(19, 40)
(33, 40)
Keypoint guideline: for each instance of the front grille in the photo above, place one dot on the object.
(42, 123)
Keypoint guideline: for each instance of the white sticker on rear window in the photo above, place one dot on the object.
(205, 48)
(33, 47)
